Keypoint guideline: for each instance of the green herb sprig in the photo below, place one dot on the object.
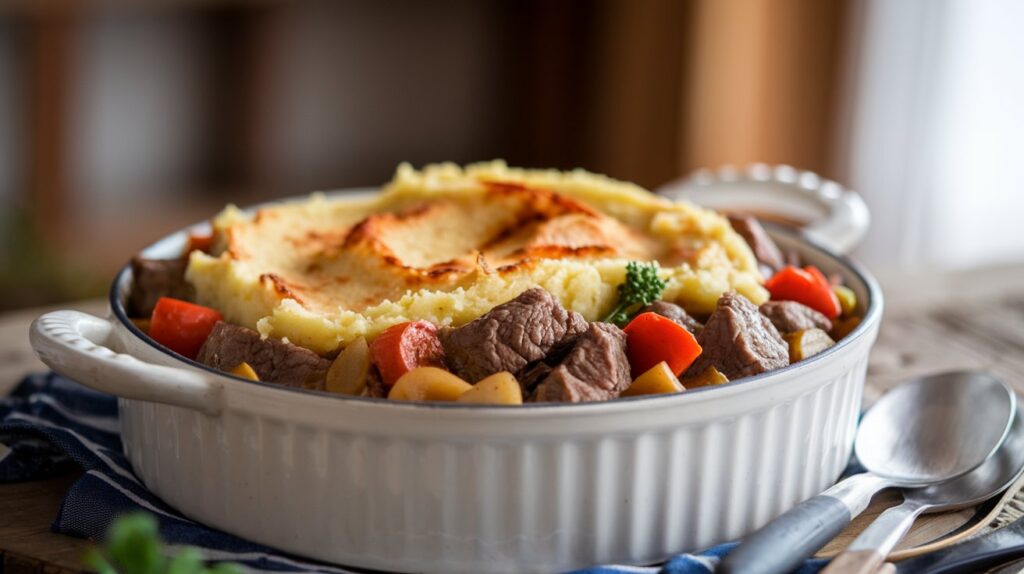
(641, 288)
(133, 546)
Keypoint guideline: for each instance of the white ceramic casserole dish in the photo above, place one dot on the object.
(463, 488)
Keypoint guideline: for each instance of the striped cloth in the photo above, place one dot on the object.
(50, 425)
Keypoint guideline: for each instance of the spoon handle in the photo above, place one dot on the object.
(784, 543)
(865, 554)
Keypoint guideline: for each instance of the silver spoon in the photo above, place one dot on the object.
(868, 551)
(925, 431)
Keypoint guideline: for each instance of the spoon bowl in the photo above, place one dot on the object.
(935, 428)
(993, 476)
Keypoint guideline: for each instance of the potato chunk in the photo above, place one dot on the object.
(347, 375)
(807, 343)
(428, 384)
(245, 371)
(654, 381)
(709, 376)
(844, 326)
(498, 389)
(847, 299)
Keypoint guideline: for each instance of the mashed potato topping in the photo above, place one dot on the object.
(447, 244)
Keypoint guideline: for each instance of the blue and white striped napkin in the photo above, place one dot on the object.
(50, 425)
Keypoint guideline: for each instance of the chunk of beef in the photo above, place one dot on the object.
(156, 278)
(534, 374)
(596, 369)
(739, 341)
(675, 313)
(273, 360)
(765, 250)
(790, 316)
(510, 336)
(375, 386)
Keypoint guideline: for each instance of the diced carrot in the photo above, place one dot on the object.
(405, 346)
(818, 276)
(808, 286)
(182, 326)
(653, 339)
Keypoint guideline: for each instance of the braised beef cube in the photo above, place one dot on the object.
(764, 248)
(533, 375)
(510, 336)
(375, 386)
(790, 316)
(156, 278)
(676, 314)
(273, 360)
(739, 341)
(596, 369)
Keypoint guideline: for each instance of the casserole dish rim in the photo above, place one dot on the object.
(873, 310)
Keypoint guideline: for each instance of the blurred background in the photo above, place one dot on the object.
(123, 120)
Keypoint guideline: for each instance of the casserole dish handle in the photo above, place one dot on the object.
(77, 345)
(829, 214)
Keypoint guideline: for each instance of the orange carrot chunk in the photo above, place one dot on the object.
(182, 326)
(405, 346)
(652, 339)
(808, 286)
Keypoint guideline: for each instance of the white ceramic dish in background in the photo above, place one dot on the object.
(833, 216)
(462, 488)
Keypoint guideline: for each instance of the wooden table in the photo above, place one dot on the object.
(933, 322)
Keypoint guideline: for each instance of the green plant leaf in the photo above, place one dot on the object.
(226, 568)
(94, 559)
(189, 560)
(134, 545)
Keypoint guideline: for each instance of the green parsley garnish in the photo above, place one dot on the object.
(641, 288)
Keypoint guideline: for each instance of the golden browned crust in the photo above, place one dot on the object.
(447, 244)
(533, 224)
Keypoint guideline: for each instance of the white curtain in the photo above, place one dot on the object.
(934, 130)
